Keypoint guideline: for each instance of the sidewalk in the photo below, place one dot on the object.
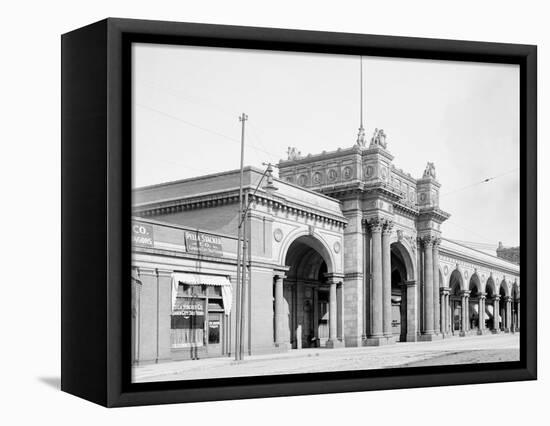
(489, 348)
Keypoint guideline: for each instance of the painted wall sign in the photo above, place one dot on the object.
(209, 245)
(142, 235)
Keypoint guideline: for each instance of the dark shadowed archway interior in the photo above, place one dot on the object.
(455, 300)
(400, 274)
(306, 294)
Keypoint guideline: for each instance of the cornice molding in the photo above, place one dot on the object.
(232, 197)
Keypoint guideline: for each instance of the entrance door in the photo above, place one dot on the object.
(215, 333)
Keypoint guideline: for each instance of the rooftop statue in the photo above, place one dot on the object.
(293, 153)
(430, 171)
(361, 139)
(379, 138)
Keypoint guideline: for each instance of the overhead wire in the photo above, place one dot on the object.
(489, 179)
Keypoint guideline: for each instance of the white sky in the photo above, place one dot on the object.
(464, 117)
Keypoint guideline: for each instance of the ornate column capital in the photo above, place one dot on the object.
(507, 298)
(374, 224)
(465, 293)
(333, 278)
(426, 241)
(496, 298)
(482, 296)
(436, 242)
(444, 290)
(388, 227)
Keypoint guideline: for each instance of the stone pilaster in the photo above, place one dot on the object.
(436, 284)
(443, 309)
(377, 309)
(386, 279)
(377, 336)
(280, 334)
(427, 244)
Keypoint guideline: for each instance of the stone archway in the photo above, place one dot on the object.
(402, 276)
(475, 304)
(308, 302)
(456, 292)
(504, 308)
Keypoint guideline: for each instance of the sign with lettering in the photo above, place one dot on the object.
(142, 235)
(200, 243)
(189, 307)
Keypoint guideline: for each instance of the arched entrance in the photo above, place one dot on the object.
(455, 301)
(490, 304)
(503, 325)
(308, 297)
(474, 304)
(401, 273)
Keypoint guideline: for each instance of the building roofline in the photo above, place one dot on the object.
(500, 259)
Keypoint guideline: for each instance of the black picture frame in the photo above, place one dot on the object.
(96, 211)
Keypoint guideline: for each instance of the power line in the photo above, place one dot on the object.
(479, 182)
(182, 96)
(202, 128)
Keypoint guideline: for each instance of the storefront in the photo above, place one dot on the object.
(182, 292)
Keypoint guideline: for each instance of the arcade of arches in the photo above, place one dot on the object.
(309, 307)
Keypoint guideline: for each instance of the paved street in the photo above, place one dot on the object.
(475, 349)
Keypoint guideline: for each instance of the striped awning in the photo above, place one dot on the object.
(203, 279)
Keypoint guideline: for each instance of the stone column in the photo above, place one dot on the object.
(333, 315)
(377, 285)
(465, 316)
(436, 284)
(412, 304)
(519, 316)
(279, 311)
(386, 279)
(508, 313)
(443, 308)
(428, 287)
(481, 315)
(449, 314)
(340, 298)
(316, 316)
(496, 314)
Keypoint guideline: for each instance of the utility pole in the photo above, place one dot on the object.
(240, 256)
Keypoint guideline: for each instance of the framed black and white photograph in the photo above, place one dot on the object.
(289, 212)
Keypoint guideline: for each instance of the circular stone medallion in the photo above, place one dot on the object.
(278, 235)
(347, 172)
(317, 178)
(337, 247)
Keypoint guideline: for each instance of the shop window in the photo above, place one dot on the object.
(187, 323)
(187, 331)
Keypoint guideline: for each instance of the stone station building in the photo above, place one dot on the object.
(344, 249)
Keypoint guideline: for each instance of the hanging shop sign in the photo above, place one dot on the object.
(200, 243)
(142, 235)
